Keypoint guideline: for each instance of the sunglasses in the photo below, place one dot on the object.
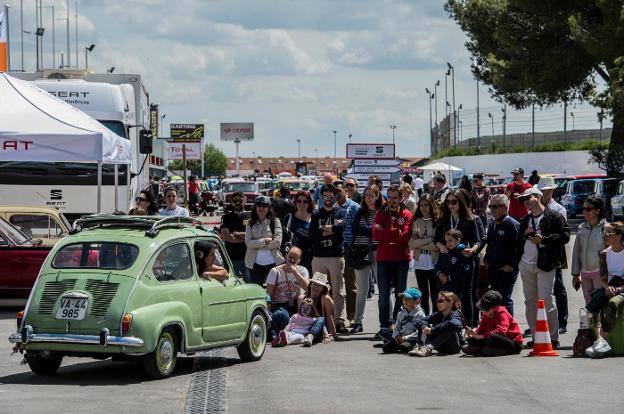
(349, 185)
(495, 206)
(452, 202)
(302, 200)
(328, 197)
(442, 300)
(292, 259)
(238, 201)
(588, 208)
(138, 199)
(369, 195)
(263, 205)
(523, 199)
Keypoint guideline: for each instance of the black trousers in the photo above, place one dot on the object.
(448, 341)
(561, 299)
(259, 273)
(428, 285)
(496, 345)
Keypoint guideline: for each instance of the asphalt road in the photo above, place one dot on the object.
(346, 376)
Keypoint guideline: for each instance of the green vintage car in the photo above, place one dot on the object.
(127, 287)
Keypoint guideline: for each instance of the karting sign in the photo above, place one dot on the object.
(192, 131)
(192, 149)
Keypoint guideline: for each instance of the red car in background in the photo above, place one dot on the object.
(20, 260)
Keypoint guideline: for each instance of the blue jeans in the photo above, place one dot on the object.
(503, 283)
(390, 274)
(241, 270)
(279, 320)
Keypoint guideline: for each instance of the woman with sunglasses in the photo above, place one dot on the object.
(607, 302)
(171, 204)
(424, 251)
(361, 234)
(587, 247)
(457, 215)
(300, 227)
(145, 204)
(263, 237)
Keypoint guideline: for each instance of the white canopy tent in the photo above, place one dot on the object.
(36, 126)
(449, 171)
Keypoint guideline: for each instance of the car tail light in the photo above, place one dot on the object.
(126, 323)
(19, 316)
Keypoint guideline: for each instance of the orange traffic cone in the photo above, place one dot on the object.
(542, 345)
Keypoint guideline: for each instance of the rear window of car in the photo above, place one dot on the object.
(579, 187)
(109, 256)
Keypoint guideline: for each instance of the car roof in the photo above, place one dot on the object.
(30, 209)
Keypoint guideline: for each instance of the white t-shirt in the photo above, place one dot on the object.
(178, 211)
(286, 287)
(419, 183)
(530, 249)
(615, 263)
(264, 257)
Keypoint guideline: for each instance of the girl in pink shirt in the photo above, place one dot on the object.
(297, 330)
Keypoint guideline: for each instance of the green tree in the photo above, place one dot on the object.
(548, 51)
(215, 162)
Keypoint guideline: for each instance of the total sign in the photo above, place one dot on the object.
(192, 149)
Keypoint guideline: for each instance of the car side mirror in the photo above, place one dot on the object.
(145, 141)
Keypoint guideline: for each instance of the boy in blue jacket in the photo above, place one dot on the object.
(405, 334)
(453, 269)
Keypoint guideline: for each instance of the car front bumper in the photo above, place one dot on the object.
(27, 336)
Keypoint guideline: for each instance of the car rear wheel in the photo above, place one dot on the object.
(161, 362)
(42, 364)
(254, 344)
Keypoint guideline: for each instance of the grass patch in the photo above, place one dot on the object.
(586, 145)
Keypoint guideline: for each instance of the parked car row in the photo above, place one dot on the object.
(260, 186)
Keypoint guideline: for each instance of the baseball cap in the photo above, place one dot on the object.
(518, 170)
(262, 200)
(489, 299)
(531, 191)
(411, 293)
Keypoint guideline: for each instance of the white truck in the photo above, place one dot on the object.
(118, 101)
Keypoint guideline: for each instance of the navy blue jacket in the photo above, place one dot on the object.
(501, 242)
(456, 267)
(440, 323)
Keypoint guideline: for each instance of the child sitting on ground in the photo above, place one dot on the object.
(442, 328)
(298, 328)
(405, 334)
(498, 333)
(454, 270)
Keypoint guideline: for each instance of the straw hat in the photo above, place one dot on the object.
(546, 183)
(320, 279)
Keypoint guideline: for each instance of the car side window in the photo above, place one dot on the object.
(37, 226)
(173, 263)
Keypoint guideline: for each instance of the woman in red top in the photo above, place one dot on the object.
(498, 332)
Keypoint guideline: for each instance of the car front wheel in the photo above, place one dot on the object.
(43, 364)
(252, 348)
(161, 362)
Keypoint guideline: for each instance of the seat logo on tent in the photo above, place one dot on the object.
(8, 144)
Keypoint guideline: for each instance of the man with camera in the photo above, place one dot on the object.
(327, 250)
(540, 250)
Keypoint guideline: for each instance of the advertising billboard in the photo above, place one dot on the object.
(237, 131)
(191, 131)
(370, 151)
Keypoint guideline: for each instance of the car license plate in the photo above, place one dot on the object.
(72, 309)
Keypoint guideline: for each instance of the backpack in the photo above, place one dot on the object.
(287, 235)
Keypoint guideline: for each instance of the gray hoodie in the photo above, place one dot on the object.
(405, 325)
(587, 247)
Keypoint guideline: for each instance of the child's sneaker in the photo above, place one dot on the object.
(421, 351)
(307, 341)
(280, 340)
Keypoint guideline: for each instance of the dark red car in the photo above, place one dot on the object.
(20, 260)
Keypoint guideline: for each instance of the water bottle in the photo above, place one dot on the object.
(583, 319)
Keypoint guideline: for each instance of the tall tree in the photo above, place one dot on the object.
(547, 51)
(215, 162)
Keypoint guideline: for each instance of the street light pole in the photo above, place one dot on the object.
(162, 117)
(432, 146)
(335, 161)
(446, 75)
(435, 95)
(87, 50)
(299, 148)
(504, 110)
(478, 120)
(492, 119)
(572, 115)
(461, 106)
(393, 127)
(452, 69)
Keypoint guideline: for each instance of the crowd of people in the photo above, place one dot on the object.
(321, 255)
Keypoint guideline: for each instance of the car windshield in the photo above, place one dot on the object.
(94, 255)
(610, 186)
(17, 236)
(240, 187)
(581, 187)
(297, 185)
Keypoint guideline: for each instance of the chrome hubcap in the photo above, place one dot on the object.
(166, 351)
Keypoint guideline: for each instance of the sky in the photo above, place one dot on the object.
(297, 69)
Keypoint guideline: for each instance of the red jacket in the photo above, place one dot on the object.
(501, 323)
(395, 234)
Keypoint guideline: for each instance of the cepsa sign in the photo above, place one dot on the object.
(237, 132)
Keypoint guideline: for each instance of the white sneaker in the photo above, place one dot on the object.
(602, 346)
(307, 342)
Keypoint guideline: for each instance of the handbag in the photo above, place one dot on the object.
(584, 338)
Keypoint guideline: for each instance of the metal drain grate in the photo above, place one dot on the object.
(207, 388)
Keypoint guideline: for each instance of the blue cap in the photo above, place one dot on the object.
(411, 293)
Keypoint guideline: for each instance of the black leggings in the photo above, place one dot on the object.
(428, 285)
(496, 345)
(259, 273)
(447, 341)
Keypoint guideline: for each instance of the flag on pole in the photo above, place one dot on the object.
(4, 41)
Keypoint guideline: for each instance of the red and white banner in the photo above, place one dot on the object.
(192, 149)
